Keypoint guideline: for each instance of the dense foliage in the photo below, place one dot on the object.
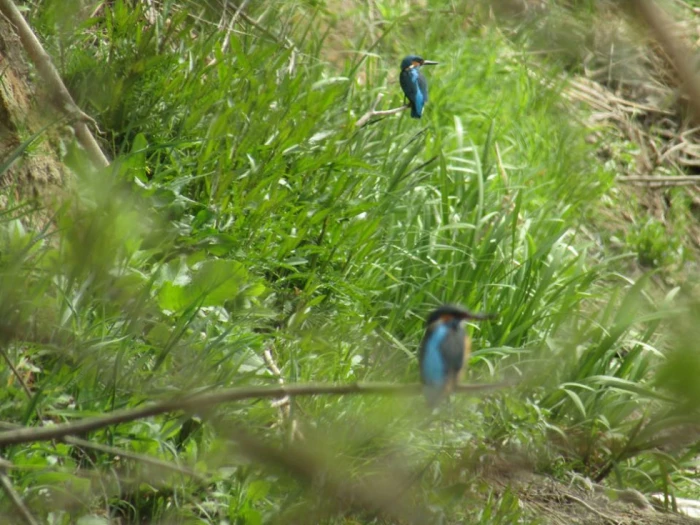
(247, 231)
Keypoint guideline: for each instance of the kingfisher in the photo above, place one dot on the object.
(413, 83)
(443, 350)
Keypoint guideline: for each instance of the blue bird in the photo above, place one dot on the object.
(413, 83)
(444, 349)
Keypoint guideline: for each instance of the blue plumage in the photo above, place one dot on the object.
(433, 366)
(413, 83)
(444, 349)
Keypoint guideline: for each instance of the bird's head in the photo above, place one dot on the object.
(415, 61)
(449, 312)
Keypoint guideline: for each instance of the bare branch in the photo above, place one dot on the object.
(364, 119)
(200, 401)
(62, 98)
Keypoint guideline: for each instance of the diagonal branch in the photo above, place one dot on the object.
(12, 495)
(62, 98)
(201, 401)
(364, 119)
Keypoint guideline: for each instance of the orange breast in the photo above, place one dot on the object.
(467, 353)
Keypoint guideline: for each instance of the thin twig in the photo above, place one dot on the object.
(200, 401)
(374, 113)
(284, 405)
(21, 381)
(282, 40)
(239, 10)
(12, 495)
(141, 458)
(114, 451)
(659, 181)
(595, 511)
(232, 22)
(15, 372)
(62, 97)
(267, 356)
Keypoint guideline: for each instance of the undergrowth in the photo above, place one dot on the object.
(246, 216)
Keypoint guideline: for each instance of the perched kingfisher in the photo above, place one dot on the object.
(444, 348)
(414, 84)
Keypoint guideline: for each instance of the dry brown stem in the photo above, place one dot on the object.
(62, 98)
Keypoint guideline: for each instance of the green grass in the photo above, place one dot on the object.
(244, 212)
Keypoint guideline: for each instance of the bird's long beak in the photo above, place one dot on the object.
(472, 316)
(429, 63)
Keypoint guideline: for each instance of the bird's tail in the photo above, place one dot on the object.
(414, 112)
(433, 395)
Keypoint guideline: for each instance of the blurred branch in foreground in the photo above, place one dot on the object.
(663, 29)
(200, 401)
(375, 493)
